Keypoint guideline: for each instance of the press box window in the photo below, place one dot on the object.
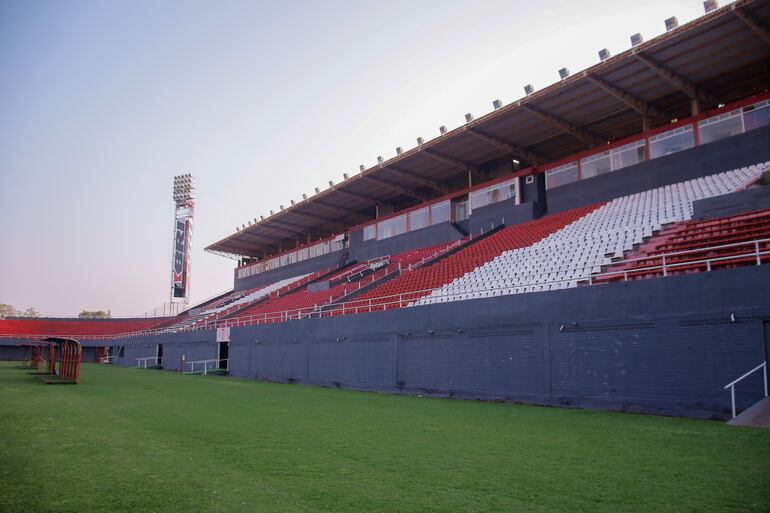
(561, 175)
(672, 141)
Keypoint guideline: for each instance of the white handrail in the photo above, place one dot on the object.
(143, 361)
(732, 384)
(354, 306)
(205, 363)
(382, 302)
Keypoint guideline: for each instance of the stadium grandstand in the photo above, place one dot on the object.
(602, 243)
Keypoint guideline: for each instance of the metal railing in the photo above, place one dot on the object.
(732, 384)
(142, 362)
(481, 288)
(207, 365)
(665, 266)
(438, 253)
(490, 288)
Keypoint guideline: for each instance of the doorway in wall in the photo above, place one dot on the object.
(224, 355)
(159, 355)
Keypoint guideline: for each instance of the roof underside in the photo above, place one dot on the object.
(719, 58)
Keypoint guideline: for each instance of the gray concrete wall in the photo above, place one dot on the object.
(308, 266)
(749, 200)
(364, 250)
(716, 157)
(663, 345)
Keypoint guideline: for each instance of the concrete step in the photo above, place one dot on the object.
(756, 416)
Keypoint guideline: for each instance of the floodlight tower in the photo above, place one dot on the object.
(184, 201)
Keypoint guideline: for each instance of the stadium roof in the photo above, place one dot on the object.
(718, 58)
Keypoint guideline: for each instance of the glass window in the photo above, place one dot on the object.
(440, 213)
(370, 232)
(391, 227)
(493, 194)
(461, 211)
(757, 115)
(561, 175)
(627, 155)
(672, 141)
(595, 165)
(419, 219)
(719, 127)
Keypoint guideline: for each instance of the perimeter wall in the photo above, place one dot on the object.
(666, 345)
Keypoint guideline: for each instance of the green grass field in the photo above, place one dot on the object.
(129, 440)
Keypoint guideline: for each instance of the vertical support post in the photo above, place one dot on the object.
(732, 395)
(664, 266)
(759, 260)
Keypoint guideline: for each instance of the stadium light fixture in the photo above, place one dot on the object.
(399, 151)
(468, 117)
(604, 54)
(671, 23)
(528, 89)
(497, 104)
(420, 140)
(442, 129)
(710, 5)
(563, 73)
(637, 39)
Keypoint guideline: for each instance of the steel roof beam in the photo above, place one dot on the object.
(248, 248)
(425, 182)
(398, 188)
(565, 126)
(514, 149)
(678, 81)
(639, 105)
(245, 234)
(361, 218)
(440, 157)
(332, 222)
(293, 228)
(753, 24)
(357, 195)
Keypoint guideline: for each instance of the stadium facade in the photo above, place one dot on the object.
(600, 243)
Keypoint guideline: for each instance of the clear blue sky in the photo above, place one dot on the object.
(102, 103)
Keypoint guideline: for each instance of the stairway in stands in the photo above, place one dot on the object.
(571, 255)
(234, 302)
(687, 244)
(410, 286)
(304, 302)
